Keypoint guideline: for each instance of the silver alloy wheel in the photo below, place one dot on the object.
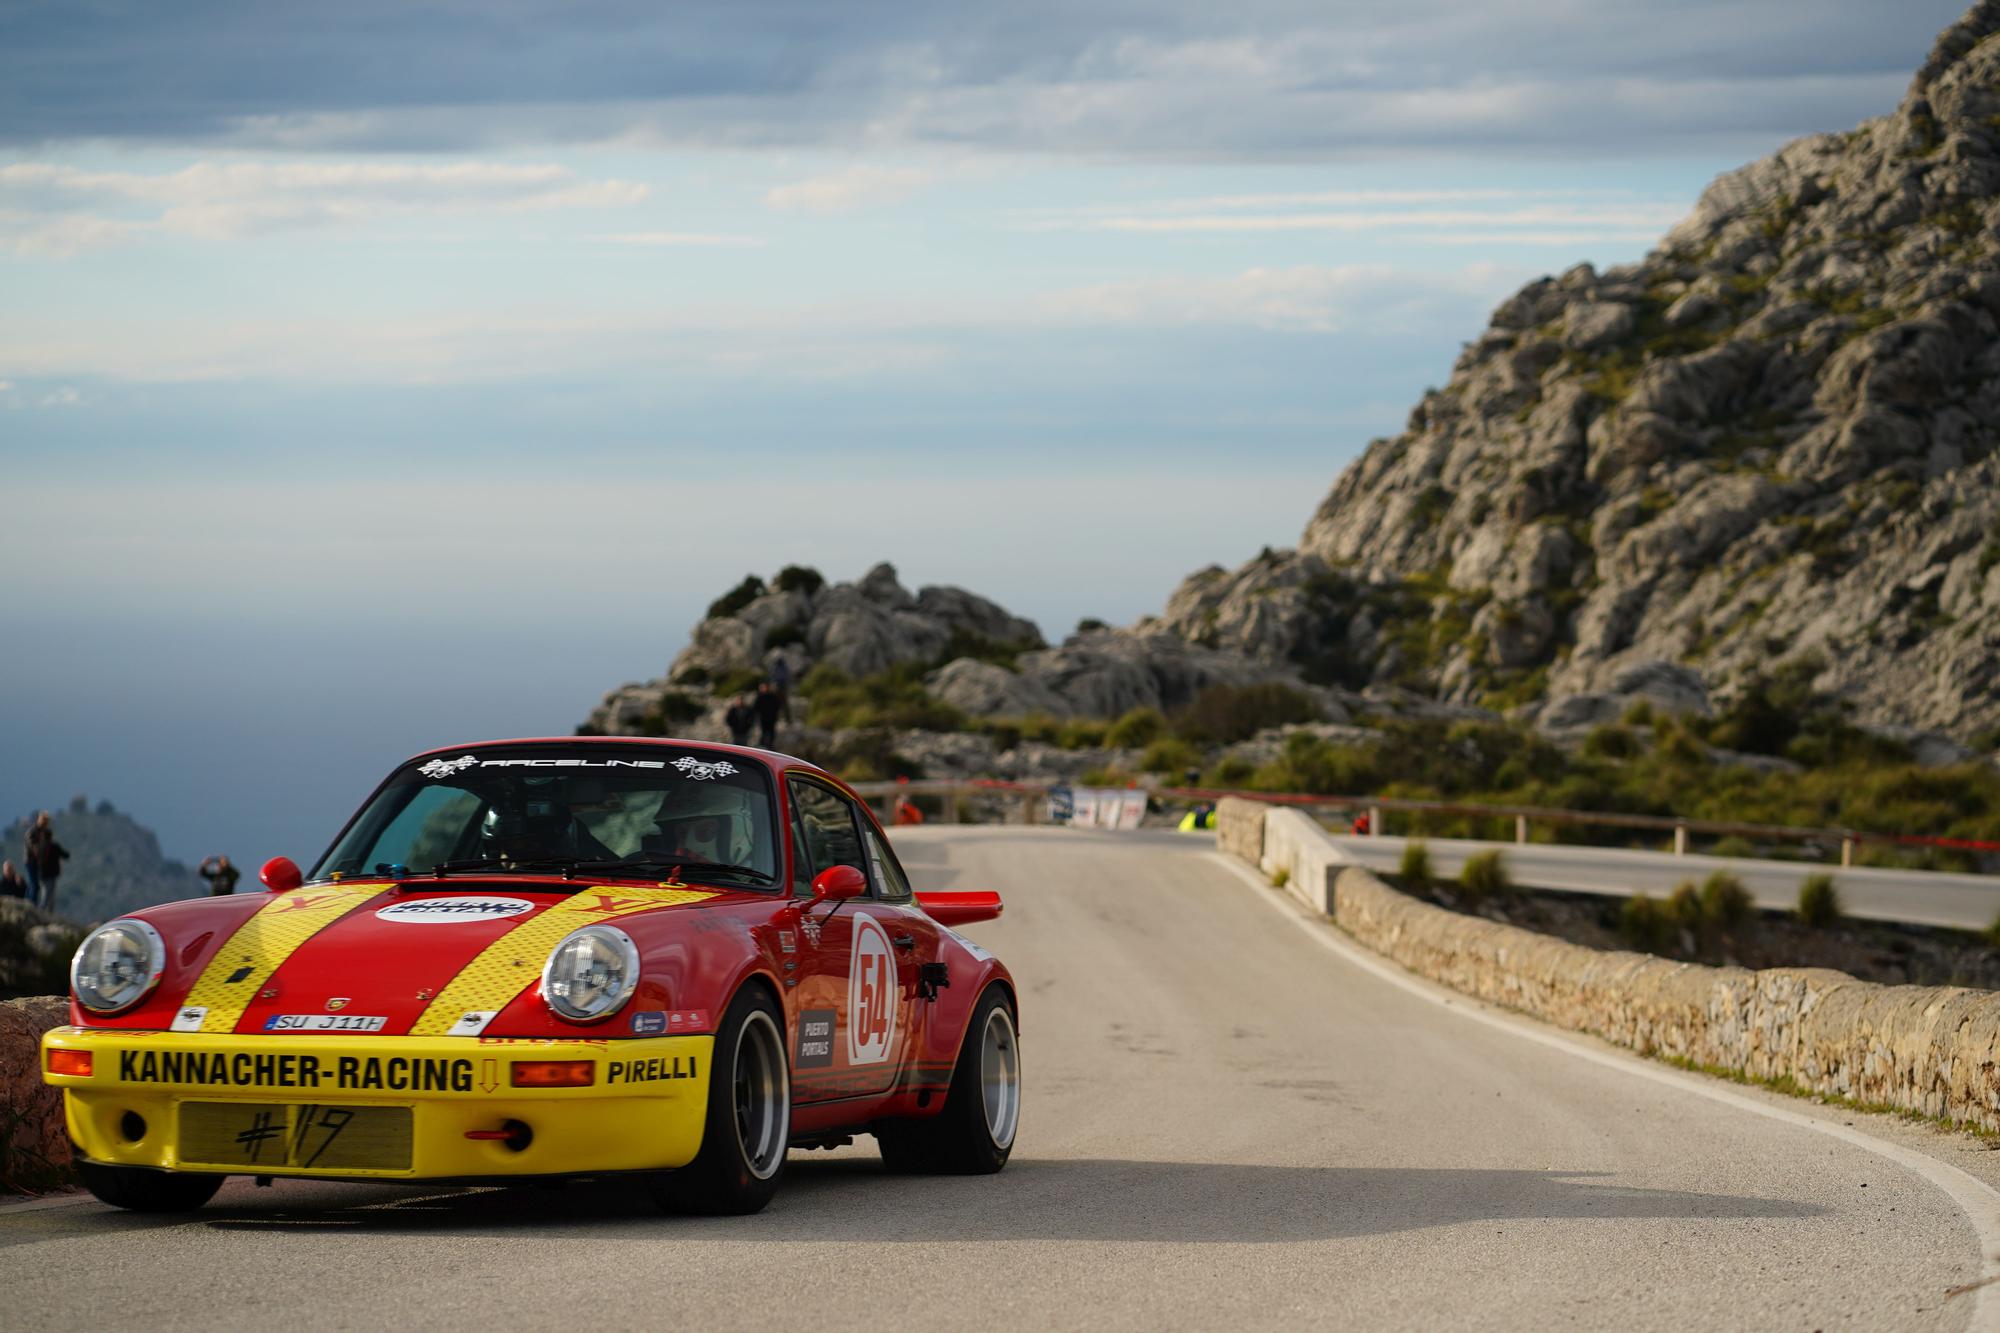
(763, 1095)
(1000, 1076)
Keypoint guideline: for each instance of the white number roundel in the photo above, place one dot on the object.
(871, 994)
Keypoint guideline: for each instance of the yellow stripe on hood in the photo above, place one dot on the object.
(506, 966)
(264, 942)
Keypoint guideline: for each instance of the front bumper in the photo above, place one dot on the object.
(394, 1108)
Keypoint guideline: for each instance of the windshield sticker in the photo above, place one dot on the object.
(434, 911)
(445, 768)
(701, 770)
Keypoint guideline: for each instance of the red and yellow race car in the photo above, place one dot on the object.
(549, 958)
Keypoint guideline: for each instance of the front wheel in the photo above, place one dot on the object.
(749, 1120)
(974, 1134)
(143, 1191)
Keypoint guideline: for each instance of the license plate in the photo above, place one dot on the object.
(324, 1023)
(245, 1135)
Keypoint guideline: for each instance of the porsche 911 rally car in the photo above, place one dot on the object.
(549, 958)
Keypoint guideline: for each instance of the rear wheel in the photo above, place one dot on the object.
(749, 1124)
(144, 1191)
(974, 1133)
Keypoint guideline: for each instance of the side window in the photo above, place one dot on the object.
(824, 825)
(890, 882)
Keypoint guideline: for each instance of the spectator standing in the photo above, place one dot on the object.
(770, 704)
(11, 883)
(45, 858)
(221, 875)
(739, 719)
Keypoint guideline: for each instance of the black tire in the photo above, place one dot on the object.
(143, 1191)
(749, 1124)
(974, 1134)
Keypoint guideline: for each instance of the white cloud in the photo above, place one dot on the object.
(835, 340)
(50, 209)
(847, 190)
(63, 397)
(677, 238)
(1305, 298)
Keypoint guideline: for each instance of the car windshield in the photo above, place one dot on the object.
(603, 810)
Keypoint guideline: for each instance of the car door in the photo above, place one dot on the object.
(913, 937)
(853, 1010)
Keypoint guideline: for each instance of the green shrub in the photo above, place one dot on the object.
(799, 578)
(895, 699)
(737, 597)
(1229, 713)
(1415, 868)
(1611, 742)
(1819, 901)
(1485, 875)
(743, 680)
(1682, 909)
(1140, 727)
(1725, 903)
(1733, 846)
(1644, 924)
(1169, 754)
(1232, 771)
(1638, 713)
(1281, 877)
(783, 636)
(1081, 733)
(1089, 624)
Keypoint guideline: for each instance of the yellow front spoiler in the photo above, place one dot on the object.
(643, 1108)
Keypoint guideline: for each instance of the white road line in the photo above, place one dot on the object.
(1975, 1198)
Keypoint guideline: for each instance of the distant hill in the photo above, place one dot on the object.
(115, 865)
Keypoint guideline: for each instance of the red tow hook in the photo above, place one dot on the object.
(512, 1133)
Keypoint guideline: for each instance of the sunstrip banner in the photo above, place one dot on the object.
(510, 963)
(260, 947)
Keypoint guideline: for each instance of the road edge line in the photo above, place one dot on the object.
(1977, 1201)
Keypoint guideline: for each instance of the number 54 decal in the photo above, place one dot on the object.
(871, 994)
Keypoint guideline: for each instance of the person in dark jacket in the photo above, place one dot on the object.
(739, 719)
(221, 875)
(770, 704)
(45, 858)
(11, 883)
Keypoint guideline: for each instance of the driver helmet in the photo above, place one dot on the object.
(707, 823)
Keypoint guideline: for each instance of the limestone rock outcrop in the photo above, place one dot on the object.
(1772, 439)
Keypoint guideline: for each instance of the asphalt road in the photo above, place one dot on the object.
(1919, 897)
(1228, 1122)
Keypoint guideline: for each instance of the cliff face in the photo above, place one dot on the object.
(1771, 440)
(1769, 447)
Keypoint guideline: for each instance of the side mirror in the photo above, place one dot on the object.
(281, 874)
(839, 882)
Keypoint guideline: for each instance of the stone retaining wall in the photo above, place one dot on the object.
(34, 1142)
(1930, 1049)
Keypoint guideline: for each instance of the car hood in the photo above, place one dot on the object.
(415, 958)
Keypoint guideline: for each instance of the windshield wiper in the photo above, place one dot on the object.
(676, 863)
(566, 864)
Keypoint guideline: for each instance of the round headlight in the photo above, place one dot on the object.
(117, 965)
(590, 974)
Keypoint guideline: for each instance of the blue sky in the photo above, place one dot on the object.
(381, 375)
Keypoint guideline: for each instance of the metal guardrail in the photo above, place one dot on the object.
(1032, 794)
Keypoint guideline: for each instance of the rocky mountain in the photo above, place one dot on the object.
(1770, 441)
(114, 866)
(1767, 450)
